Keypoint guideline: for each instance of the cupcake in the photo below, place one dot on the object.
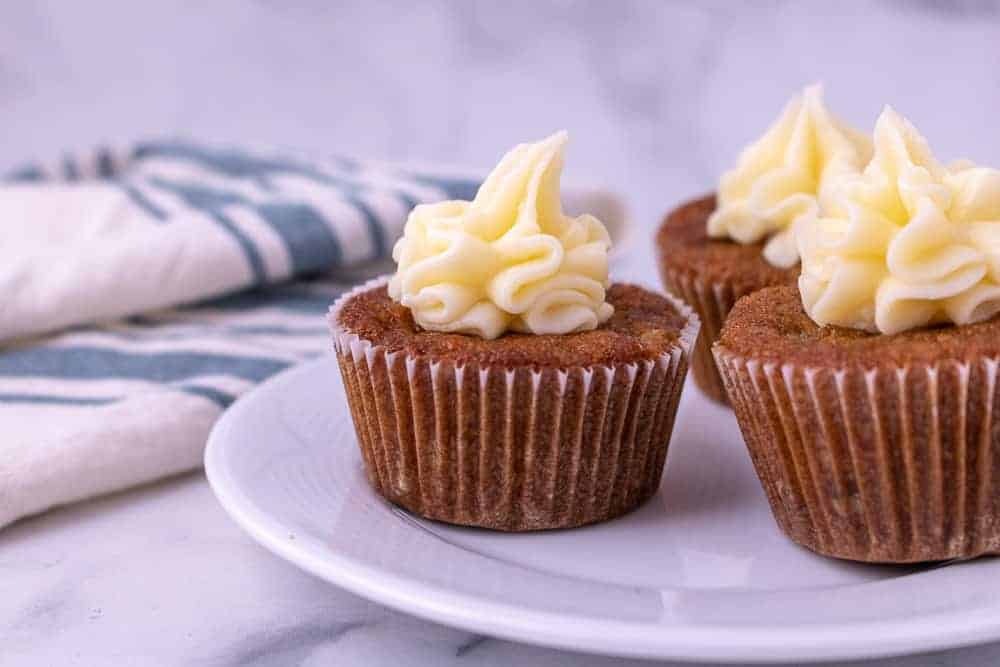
(868, 397)
(716, 249)
(497, 379)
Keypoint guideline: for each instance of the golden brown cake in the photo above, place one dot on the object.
(870, 447)
(522, 432)
(710, 275)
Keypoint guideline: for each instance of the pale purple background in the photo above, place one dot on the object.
(658, 98)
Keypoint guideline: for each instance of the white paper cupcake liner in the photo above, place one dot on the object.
(511, 448)
(887, 464)
(712, 303)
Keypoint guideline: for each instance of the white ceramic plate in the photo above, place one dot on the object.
(700, 572)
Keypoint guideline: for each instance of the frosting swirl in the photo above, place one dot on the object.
(786, 175)
(911, 242)
(508, 260)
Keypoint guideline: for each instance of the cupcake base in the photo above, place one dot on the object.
(710, 275)
(868, 450)
(525, 448)
(712, 303)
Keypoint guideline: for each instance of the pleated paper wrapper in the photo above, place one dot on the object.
(712, 303)
(888, 464)
(511, 448)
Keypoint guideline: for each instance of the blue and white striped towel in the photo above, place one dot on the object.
(141, 291)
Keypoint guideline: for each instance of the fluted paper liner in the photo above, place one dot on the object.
(511, 449)
(887, 464)
(712, 303)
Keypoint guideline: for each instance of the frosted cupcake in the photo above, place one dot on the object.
(498, 379)
(868, 398)
(716, 249)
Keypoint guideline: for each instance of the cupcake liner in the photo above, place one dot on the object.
(511, 449)
(712, 302)
(887, 464)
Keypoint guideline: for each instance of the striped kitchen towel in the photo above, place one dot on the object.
(143, 290)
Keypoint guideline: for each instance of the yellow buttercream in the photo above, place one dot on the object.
(909, 242)
(785, 175)
(508, 260)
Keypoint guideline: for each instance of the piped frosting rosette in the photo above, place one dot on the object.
(784, 176)
(910, 244)
(508, 260)
(787, 175)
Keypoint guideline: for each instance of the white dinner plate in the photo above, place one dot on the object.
(699, 572)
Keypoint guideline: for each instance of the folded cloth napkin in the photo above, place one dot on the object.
(143, 290)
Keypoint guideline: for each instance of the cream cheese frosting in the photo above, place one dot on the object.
(909, 243)
(786, 175)
(508, 260)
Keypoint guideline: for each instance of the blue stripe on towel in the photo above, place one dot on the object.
(280, 330)
(27, 174)
(71, 172)
(200, 197)
(173, 331)
(221, 398)
(241, 165)
(260, 170)
(39, 399)
(213, 201)
(310, 241)
(105, 164)
(453, 188)
(346, 163)
(250, 251)
(409, 201)
(92, 363)
(301, 303)
(144, 202)
(234, 164)
(375, 230)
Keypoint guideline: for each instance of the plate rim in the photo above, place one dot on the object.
(720, 643)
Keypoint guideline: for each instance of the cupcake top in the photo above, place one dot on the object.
(508, 260)
(643, 327)
(907, 243)
(683, 238)
(771, 326)
(786, 175)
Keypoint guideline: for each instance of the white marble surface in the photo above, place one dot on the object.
(161, 576)
(658, 97)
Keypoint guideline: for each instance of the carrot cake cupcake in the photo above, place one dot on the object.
(717, 248)
(498, 379)
(868, 397)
